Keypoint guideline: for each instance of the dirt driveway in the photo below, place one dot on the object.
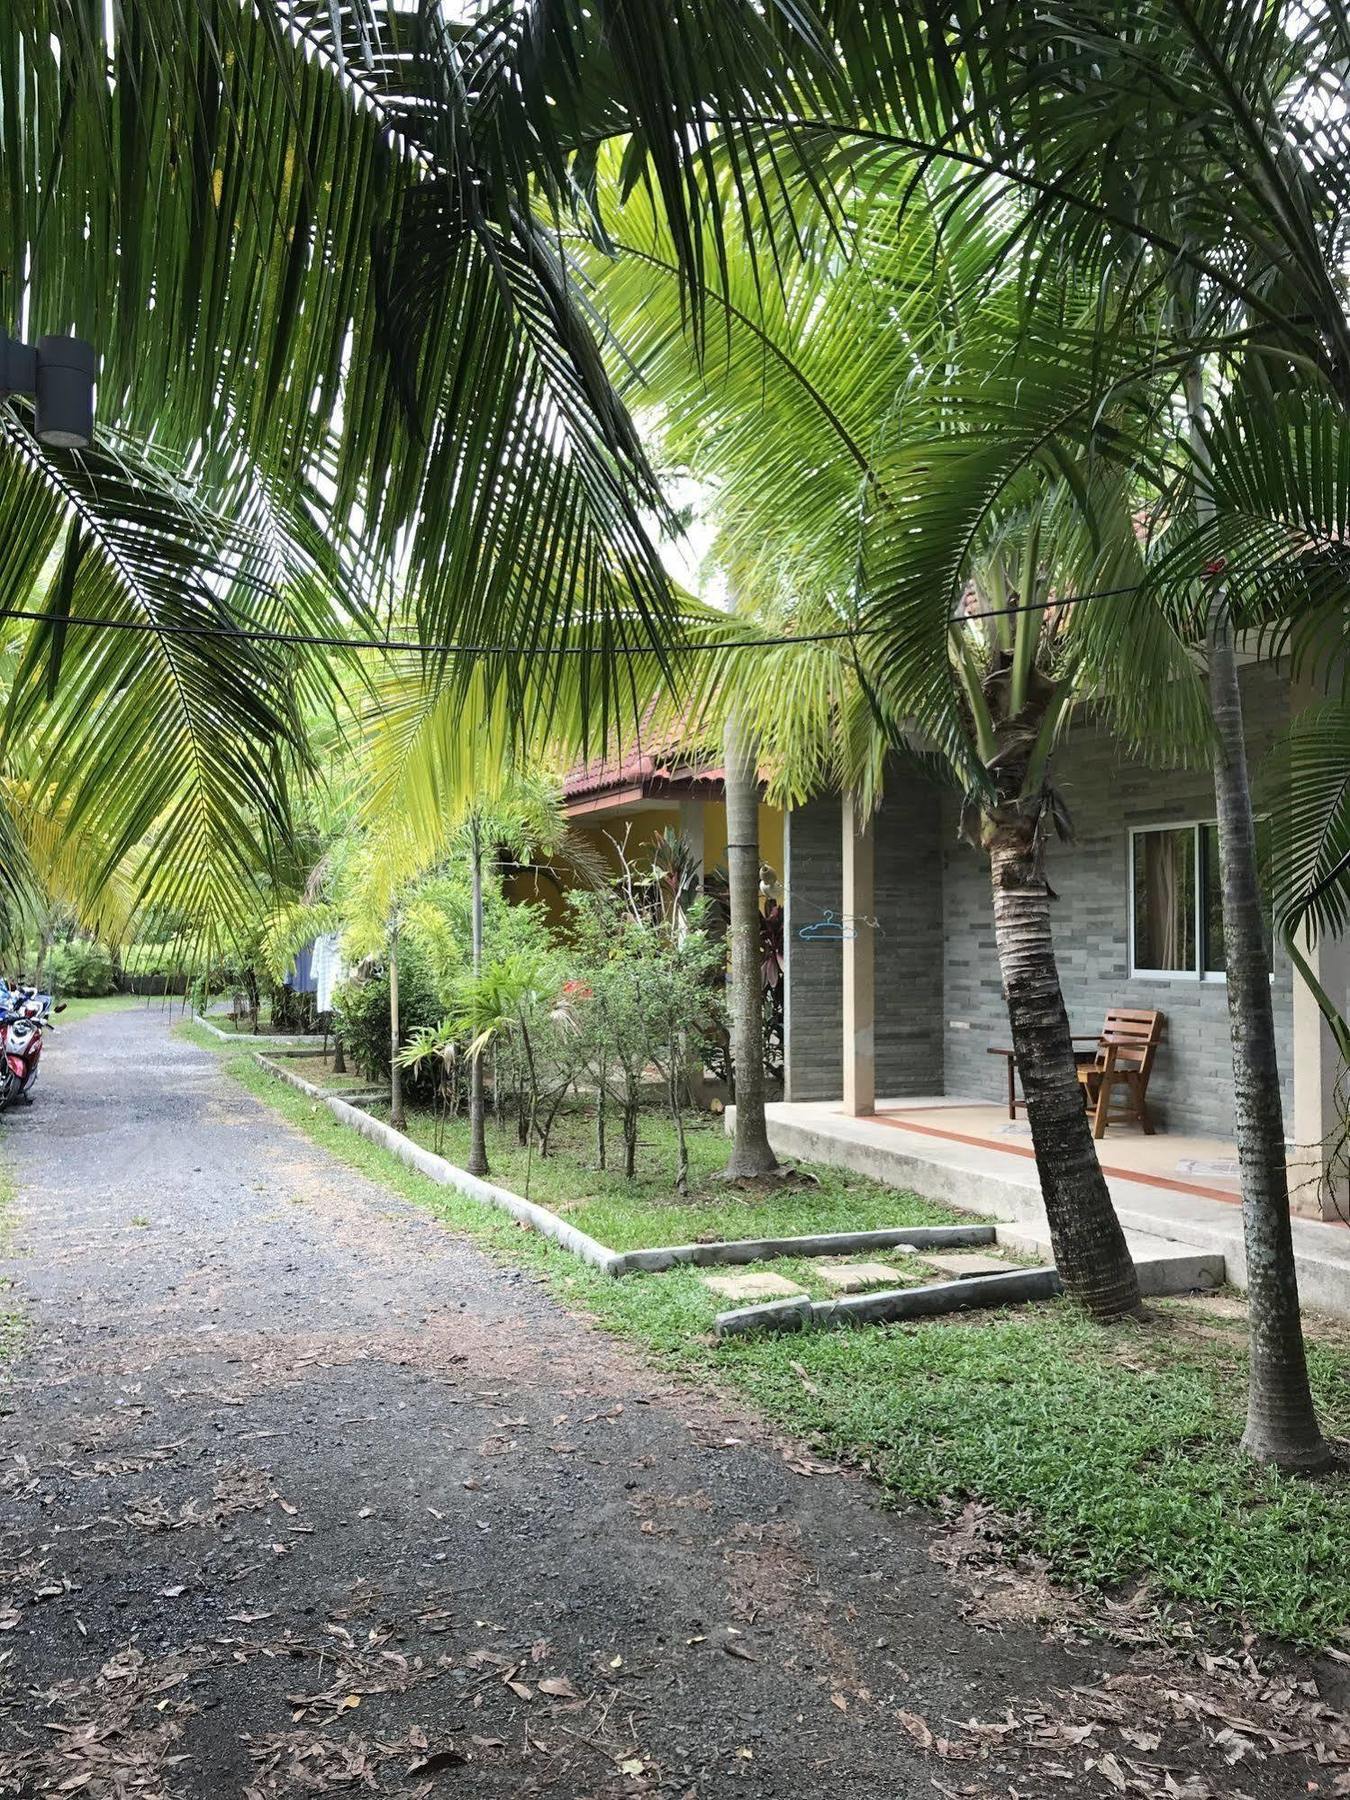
(299, 1493)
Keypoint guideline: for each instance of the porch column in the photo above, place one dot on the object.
(1314, 1190)
(860, 1076)
(691, 830)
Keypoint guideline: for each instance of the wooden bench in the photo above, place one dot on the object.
(1120, 1062)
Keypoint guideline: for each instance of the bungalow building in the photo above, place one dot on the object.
(893, 999)
(893, 991)
(622, 805)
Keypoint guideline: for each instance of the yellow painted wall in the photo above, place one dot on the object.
(643, 829)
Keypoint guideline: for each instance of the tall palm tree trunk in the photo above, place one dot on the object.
(1282, 1423)
(478, 1161)
(1090, 1250)
(397, 1117)
(750, 1152)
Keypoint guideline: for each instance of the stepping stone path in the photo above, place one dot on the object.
(958, 1265)
(853, 1278)
(762, 1285)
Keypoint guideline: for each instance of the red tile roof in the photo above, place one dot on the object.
(654, 763)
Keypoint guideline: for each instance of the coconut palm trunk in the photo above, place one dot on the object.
(751, 1155)
(397, 1117)
(1282, 1423)
(478, 1160)
(1091, 1255)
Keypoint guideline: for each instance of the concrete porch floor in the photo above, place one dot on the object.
(1203, 1165)
(1168, 1190)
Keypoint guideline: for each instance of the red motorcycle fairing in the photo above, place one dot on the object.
(22, 1048)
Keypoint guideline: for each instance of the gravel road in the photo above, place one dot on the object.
(300, 1493)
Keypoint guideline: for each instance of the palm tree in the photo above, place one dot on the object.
(1281, 1422)
(351, 290)
(868, 406)
(1198, 153)
(478, 1162)
(1019, 663)
(752, 1156)
(397, 1117)
(465, 777)
(338, 307)
(164, 750)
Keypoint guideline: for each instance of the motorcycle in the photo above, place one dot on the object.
(24, 1016)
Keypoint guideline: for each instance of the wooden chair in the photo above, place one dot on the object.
(1120, 1065)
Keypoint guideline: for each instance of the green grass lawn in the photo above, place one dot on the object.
(84, 1009)
(242, 1026)
(1111, 1452)
(647, 1211)
(319, 1069)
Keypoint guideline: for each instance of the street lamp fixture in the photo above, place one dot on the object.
(59, 373)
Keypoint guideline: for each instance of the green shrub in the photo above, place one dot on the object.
(361, 1010)
(149, 956)
(80, 969)
(291, 1011)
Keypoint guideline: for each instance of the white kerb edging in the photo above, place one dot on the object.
(615, 1262)
(437, 1169)
(893, 1305)
(835, 1243)
(277, 1040)
(445, 1174)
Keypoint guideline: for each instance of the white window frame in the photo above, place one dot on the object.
(1199, 972)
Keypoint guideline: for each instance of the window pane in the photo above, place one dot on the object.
(1213, 902)
(1164, 899)
(1215, 963)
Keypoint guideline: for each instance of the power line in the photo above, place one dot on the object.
(319, 640)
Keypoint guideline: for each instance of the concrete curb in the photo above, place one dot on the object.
(311, 1088)
(297, 1042)
(437, 1169)
(893, 1305)
(842, 1243)
(1164, 1267)
(776, 1315)
(445, 1174)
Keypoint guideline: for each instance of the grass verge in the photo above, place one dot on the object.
(318, 1069)
(1113, 1452)
(86, 1008)
(645, 1212)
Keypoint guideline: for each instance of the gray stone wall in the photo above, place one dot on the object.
(1107, 793)
(939, 1003)
(908, 900)
(813, 1015)
(908, 947)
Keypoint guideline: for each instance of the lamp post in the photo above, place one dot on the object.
(59, 373)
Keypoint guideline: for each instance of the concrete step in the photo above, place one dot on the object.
(1164, 1266)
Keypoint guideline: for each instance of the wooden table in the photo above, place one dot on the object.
(1079, 1056)
(1013, 1101)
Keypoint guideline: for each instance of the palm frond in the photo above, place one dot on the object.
(139, 711)
(1184, 141)
(1275, 473)
(1309, 771)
